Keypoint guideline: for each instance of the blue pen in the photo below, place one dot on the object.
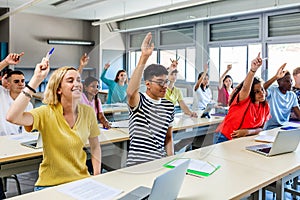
(50, 53)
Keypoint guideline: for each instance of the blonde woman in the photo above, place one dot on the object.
(65, 126)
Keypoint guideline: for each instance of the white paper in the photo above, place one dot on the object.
(88, 189)
(24, 137)
(120, 124)
(196, 165)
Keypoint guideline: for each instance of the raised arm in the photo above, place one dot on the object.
(245, 91)
(198, 83)
(280, 73)
(186, 109)
(16, 112)
(223, 75)
(11, 59)
(136, 78)
(103, 78)
(84, 60)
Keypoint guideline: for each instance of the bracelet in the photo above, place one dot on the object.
(252, 71)
(30, 88)
(27, 94)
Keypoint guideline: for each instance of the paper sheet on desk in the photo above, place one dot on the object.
(88, 189)
(197, 167)
(24, 137)
(120, 124)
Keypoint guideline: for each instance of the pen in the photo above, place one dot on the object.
(193, 175)
(50, 53)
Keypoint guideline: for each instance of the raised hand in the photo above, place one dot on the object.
(147, 47)
(84, 60)
(107, 65)
(13, 58)
(229, 67)
(256, 63)
(41, 71)
(281, 72)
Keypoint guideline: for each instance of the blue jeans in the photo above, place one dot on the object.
(219, 137)
(37, 188)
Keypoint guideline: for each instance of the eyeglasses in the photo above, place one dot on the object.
(95, 86)
(261, 90)
(18, 81)
(161, 83)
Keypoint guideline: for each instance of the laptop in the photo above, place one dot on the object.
(165, 186)
(286, 141)
(207, 110)
(35, 144)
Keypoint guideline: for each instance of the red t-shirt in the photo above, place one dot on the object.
(244, 115)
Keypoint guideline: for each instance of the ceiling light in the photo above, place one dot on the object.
(71, 42)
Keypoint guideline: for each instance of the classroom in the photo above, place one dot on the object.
(202, 80)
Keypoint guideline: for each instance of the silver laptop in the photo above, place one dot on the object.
(165, 186)
(286, 141)
(35, 144)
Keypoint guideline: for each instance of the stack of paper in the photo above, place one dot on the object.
(196, 167)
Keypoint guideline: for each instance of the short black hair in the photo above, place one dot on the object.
(154, 70)
(5, 71)
(14, 72)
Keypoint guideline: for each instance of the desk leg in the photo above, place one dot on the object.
(124, 149)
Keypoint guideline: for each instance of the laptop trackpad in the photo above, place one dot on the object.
(139, 193)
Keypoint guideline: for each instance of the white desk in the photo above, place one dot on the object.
(233, 180)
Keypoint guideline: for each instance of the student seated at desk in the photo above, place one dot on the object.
(202, 93)
(116, 88)
(151, 115)
(174, 94)
(225, 87)
(296, 90)
(64, 123)
(248, 109)
(282, 100)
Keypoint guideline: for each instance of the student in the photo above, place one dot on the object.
(90, 97)
(225, 87)
(174, 94)
(202, 93)
(296, 89)
(151, 115)
(248, 109)
(64, 123)
(90, 93)
(11, 59)
(15, 85)
(116, 88)
(281, 99)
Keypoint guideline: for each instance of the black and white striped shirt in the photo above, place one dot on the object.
(148, 125)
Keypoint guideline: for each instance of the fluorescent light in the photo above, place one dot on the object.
(71, 42)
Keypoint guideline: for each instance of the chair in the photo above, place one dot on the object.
(14, 177)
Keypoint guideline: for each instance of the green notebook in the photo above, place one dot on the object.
(196, 167)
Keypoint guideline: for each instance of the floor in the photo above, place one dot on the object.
(28, 179)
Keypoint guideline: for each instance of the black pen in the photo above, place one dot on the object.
(194, 175)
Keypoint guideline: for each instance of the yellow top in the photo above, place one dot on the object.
(174, 95)
(63, 155)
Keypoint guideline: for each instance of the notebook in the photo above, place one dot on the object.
(286, 141)
(120, 124)
(165, 186)
(36, 144)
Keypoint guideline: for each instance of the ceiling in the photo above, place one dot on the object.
(96, 10)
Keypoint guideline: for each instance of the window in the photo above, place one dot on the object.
(282, 53)
(239, 56)
(134, 57)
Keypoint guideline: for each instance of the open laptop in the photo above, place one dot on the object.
(35, 144)
(286, 141)
(207, 109)
(165, 186)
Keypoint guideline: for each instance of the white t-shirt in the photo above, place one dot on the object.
(201, 98)
(7, 128)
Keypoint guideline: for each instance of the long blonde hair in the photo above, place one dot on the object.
(51, 96)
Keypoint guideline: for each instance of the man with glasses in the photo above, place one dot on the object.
(151, 115)
(15, 85)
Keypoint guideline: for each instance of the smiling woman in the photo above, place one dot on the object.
(64, 124)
